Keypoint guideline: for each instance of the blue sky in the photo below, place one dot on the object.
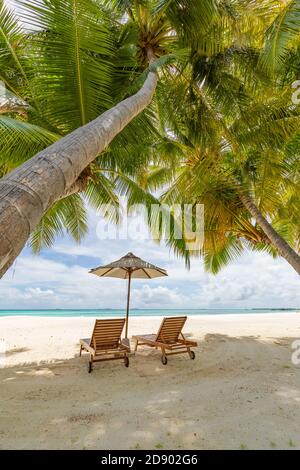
(59, 278)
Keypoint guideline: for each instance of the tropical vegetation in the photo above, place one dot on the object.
(189, 99)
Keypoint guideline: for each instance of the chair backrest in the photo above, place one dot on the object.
(107, 333)
(170, 329)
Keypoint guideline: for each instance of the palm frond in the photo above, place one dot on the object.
(20, 140)
(217, 259)
(14, 65)
(281, 35)
(73, 52)
(67, 215)
(188, 17)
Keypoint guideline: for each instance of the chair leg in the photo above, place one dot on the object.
(80, 351)
(90, 364)
(164, 359)
(126, 360)
(191, 353)
(136, 346)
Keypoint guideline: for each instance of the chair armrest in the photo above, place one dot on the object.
(125, 343)
(85, 344)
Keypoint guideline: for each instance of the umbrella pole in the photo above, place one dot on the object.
(128, 300)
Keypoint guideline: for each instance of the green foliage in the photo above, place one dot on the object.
(15, 66)
(282, 35)
(68, 214)
(221, 121)
(73, 52)
(20, 140)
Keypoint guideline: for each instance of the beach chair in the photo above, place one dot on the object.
(169, 339)
(106, 343)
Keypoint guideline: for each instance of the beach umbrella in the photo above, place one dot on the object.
(129, 267)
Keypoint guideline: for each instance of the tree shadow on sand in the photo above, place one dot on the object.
(13, 351)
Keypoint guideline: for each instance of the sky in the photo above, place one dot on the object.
(59, 278)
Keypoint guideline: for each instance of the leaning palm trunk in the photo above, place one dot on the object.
(30, 190)
(282, 247)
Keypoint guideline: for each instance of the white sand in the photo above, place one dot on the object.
(242, 390)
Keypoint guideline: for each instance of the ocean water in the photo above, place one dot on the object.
(139, 312)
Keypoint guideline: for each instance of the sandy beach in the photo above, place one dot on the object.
(241, 391)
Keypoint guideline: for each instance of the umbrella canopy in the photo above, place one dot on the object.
(128, 267)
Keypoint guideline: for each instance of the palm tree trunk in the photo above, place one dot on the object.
(276, 240)
(30, 190)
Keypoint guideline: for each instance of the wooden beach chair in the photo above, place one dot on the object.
(106, 343)
(169, 338)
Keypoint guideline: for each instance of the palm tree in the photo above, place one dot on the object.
(77, 82)
(241, 155)
(76, 36)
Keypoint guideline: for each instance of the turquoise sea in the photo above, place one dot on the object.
(139, 312)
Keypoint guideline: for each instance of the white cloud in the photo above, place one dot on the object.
(75, 250)
(33, 292)
(156, 297)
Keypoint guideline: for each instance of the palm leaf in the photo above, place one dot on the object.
(20, 140)
(67, 215)
(217, 259)
(14, 66)
(73, 49)
(281, 35)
